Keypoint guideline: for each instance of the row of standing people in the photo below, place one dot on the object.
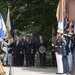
(64, 51)
(21, 48)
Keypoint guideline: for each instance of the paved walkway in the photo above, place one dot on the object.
(31, 71)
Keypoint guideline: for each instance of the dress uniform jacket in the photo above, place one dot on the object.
(58, 47)
(58, 53)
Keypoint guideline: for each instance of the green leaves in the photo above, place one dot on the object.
(32, 15)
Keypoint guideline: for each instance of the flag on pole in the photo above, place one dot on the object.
(2, 27)
(71, 27)
(57, 13)
(65, 24)
(60, 14)
(60, 27)
(8, 25)
(12, 27)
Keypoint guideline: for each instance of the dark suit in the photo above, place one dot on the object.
(16, 51)
(27, 49)
(42, 55)
(21, 54)
(35, 48)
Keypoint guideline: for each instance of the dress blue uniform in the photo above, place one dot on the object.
(64, 56)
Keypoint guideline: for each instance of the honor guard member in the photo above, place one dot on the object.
(6, 43)
(70, 61)
(3, 49)
(68, 48)
(42, 51)
(27, 49)
(58, 53)
(64, 54)
(73, 48)
(10, 47)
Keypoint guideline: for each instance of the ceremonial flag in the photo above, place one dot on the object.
(57, 13)
(2, 27)
(60, 27)
(71, 27)
(12, 29)
(60, 14)
(65, 24)
(8, 24)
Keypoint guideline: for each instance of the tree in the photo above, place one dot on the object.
(32, 15)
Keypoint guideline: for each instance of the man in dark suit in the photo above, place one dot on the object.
(35, 48)
(16, 51)
(21, 52)
(27, 48)
(42, 43)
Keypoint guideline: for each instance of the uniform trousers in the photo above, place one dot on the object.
(10, 57)
(65, 65)
(59, 63)
(73, 56)
(5, 58)
(70, 61)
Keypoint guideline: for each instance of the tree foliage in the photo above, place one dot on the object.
(33, 16)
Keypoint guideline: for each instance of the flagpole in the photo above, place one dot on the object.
(8, 17)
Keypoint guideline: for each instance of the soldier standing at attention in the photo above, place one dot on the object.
(58, 53)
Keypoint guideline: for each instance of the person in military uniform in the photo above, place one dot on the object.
(41, 45)
(70, 61)
(27, 49)
(6, 43)
(58, 53)
(64, 54)
(10, 48)
(73, 48)
(3, 49)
